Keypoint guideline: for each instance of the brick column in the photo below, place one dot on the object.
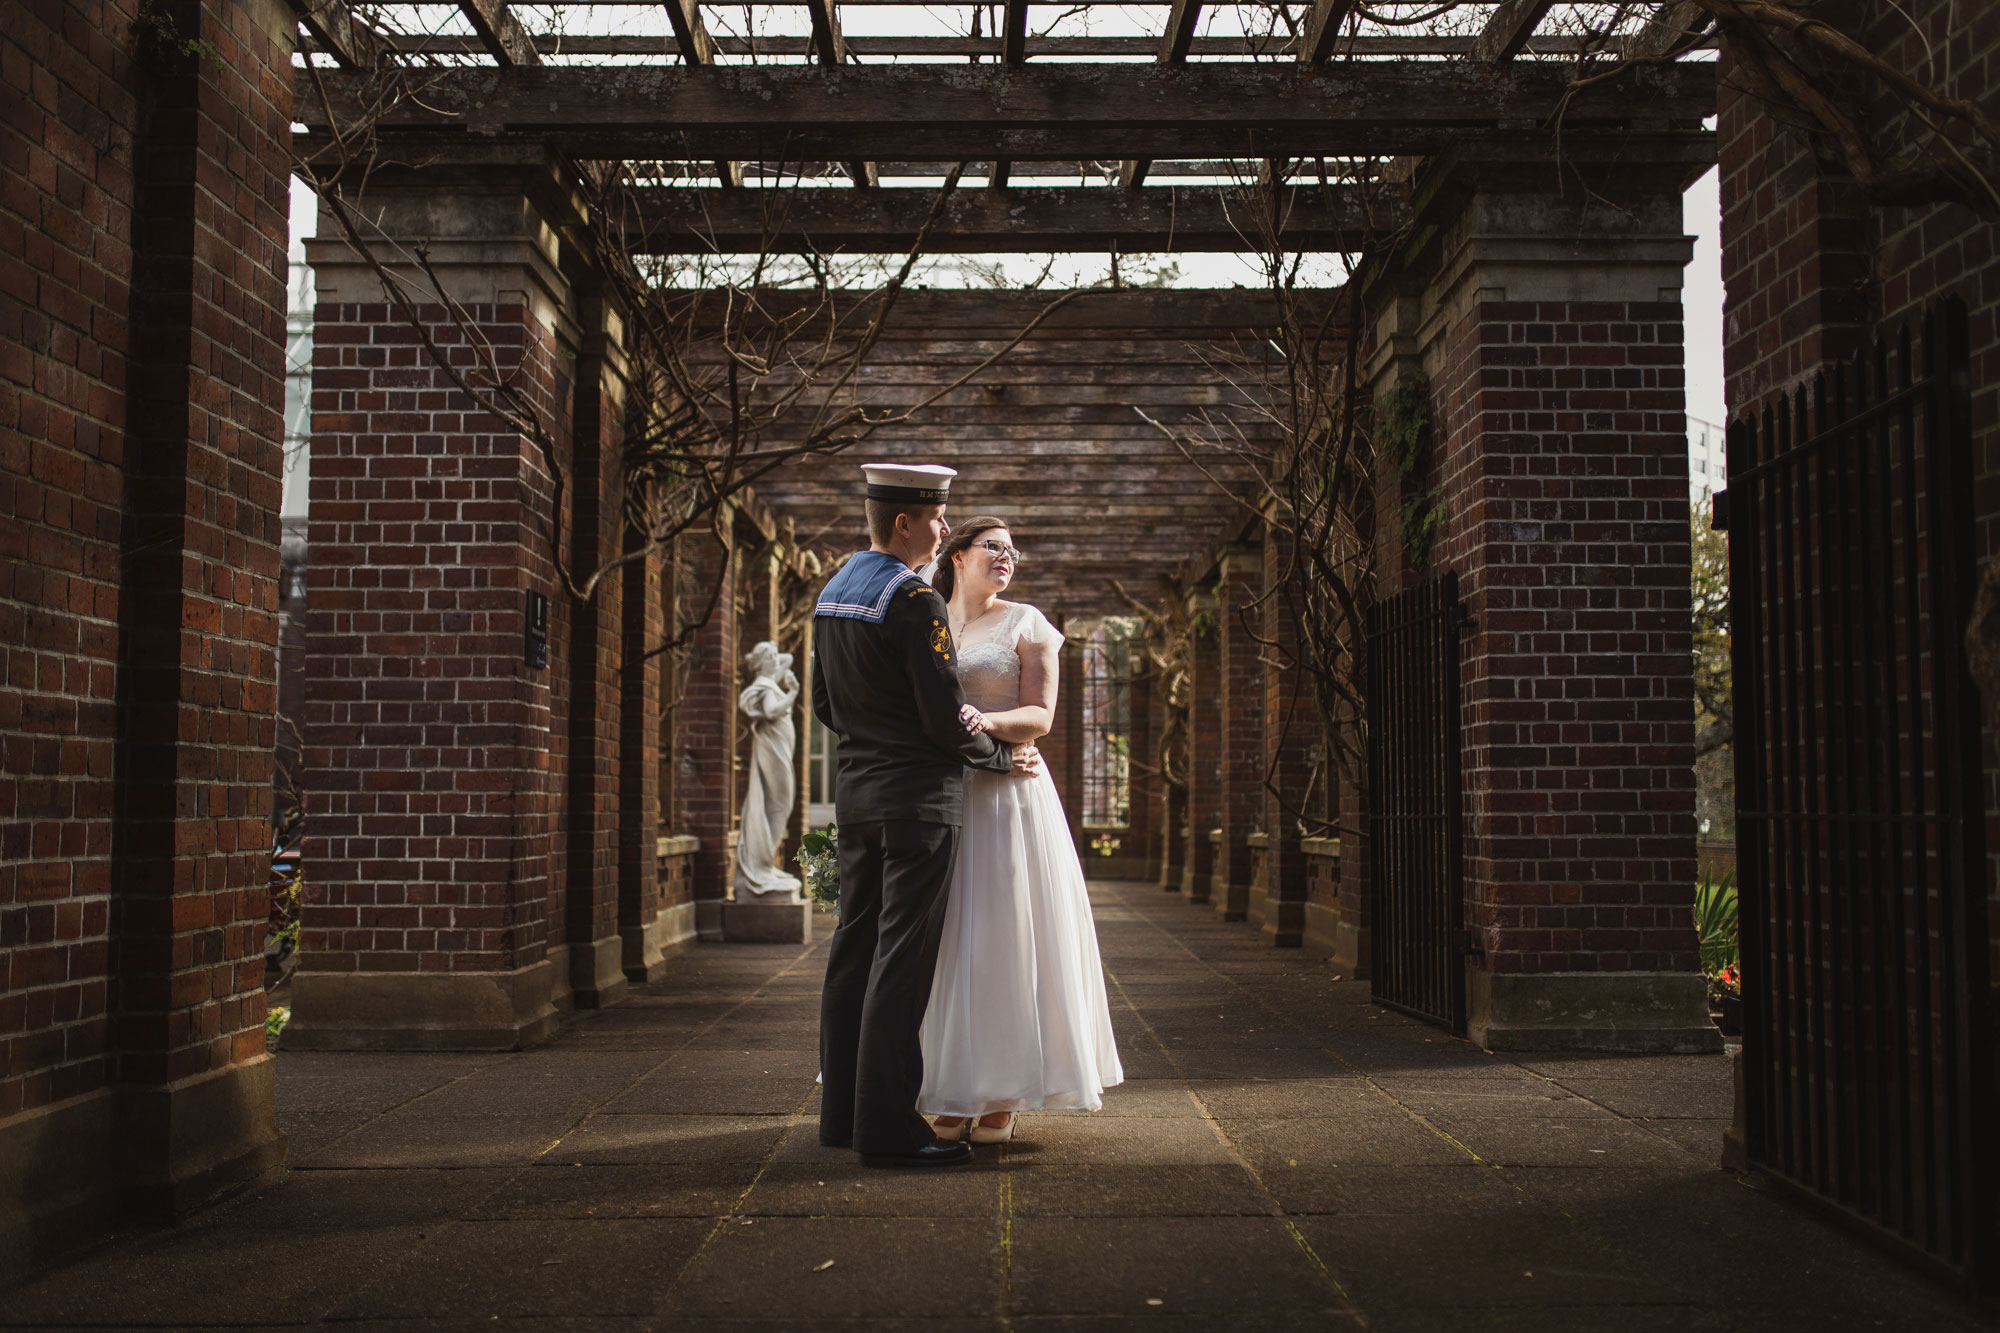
(1204, 752)
(1554, 344)
(1063, 747)
(1290, 726)
(433, 744)
(705, 726)
(645, 930)
(1140, 851)
(592, 713)
(142, 280)
(1170, 720)
(197, 613)
(1240, 804)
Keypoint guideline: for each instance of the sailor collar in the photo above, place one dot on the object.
(863, 587)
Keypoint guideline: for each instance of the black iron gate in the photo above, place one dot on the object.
(1416, 868)
(1868, 1066)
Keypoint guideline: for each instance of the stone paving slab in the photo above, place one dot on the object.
(1284, 1155)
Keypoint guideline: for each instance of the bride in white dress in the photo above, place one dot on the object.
(1018, 1019)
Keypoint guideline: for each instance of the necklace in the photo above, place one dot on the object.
(958, 630)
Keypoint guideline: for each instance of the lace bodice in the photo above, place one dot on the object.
(989, 667)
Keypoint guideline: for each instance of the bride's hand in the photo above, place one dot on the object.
(1027, 761)
(974, 720)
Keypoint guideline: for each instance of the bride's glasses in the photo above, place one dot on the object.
(1000, 550)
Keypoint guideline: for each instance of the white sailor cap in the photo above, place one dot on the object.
(909, 483)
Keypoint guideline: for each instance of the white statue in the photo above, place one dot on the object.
(767, 804)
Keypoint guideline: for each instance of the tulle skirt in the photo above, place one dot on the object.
(1018, 1019)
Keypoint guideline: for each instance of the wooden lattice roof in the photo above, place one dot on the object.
(1157, 137)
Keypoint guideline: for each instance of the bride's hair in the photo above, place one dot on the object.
(945, 577)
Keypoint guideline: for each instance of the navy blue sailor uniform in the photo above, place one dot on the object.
(885, 681)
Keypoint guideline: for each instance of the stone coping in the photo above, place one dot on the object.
(677, 844)
(1259, 841)
(1320, 846)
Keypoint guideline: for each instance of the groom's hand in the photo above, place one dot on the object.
(1027, 761)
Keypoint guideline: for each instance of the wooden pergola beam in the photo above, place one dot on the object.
(829, 47)
(1323, 30)
(1013, 54)
(672, 219)
(698, 48)
(1063, 112)
(352, 43)
(1014, 33)
(690, 33)
(727, 44)
(1669, 27)
(1174, 44)
(501, 33)
(1508, 29)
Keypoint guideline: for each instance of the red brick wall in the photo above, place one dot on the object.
(591, 708)
(1564, 466)
(1204, 759)
(65, 291)
(704, 724)
(140, 382)
(642, 628)
(1289, 725)
(430, 743)
(1240, 804)
(1140, 849)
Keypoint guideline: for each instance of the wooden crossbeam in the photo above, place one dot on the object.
(726, 44)
(673, 219)
(1014, 54)
(1053, 112)
(1174, 43)
(829, 47)
(1323, 30)
(690, 33)
(352, 43)
(698, 48)
(1014, 33)
(1508, 29)
(494, 24)
(1668, 28)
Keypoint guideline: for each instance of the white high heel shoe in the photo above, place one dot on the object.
(979, 1133)
(951, 1133)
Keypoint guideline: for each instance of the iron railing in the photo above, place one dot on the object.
(1416, 864)
(1868, 1064)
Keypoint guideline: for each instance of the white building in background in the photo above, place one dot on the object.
(1707, 466)
(298, 385)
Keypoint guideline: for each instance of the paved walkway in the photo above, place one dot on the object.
(1283, 1156)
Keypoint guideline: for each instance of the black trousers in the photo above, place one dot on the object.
(894, 877)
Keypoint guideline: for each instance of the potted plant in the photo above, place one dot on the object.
(1715, 919)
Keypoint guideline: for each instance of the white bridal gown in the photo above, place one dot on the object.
(1018, 1019)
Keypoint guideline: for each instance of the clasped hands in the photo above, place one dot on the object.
(1027, 759)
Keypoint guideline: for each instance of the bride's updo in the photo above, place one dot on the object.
(945, 577)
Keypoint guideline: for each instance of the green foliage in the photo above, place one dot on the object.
(1715, 920)
(275, 1019)
(287, 905)
(1404, 426)
(819, 863)
(1714, 710)
(161, 39)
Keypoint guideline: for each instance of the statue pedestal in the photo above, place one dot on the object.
(767, 923)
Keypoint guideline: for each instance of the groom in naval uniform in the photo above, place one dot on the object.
(885, 681)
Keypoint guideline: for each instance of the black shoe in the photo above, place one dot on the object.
(936, 1154)
(847, 1142)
